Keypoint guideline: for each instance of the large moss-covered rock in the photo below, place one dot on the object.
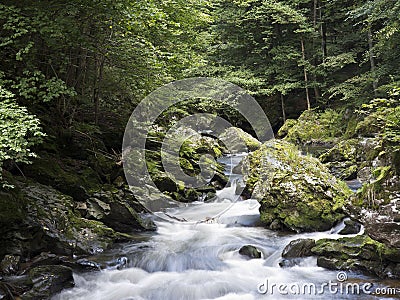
(72, 177)
(188, 152)
(359, 253)
(50, 223)
(296, 192)
(239, 140)
(313, 126)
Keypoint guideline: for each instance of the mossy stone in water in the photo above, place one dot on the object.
(296, 192)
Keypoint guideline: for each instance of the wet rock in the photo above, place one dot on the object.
(47, 281)
(116, 209)
(288, 263)
(250, 251)
(45, 258)
(351, 227)
(359, 253)
(119, 263)
(298, 248)
(52, 225)
(294, 190)
(13, 286)
(86, 265)
(10, 265)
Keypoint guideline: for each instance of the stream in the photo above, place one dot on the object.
(202, 260)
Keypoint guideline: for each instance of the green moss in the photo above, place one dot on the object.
(12, 206)
(368, 195)
(294, 189)
(323, 126)
(286, 127)
(71, 177)
(360, 247)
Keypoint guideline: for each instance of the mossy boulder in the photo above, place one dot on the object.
(239, 140)
(190, 152)
(296, 192)
(51, 223)
(313, 126)
(359, 253)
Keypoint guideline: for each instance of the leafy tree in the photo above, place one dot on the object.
(20, 131)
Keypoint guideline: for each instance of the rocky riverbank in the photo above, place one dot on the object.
(365, 150)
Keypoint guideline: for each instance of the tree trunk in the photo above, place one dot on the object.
(315, 14)
(323, 36)
(283, 108)
(314, 76)
(372, 61)
(303, 52)
(99, 66)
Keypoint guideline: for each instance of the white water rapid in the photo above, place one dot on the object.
(202, 261)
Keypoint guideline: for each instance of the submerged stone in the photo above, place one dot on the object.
(250, 251)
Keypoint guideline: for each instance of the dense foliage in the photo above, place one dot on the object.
(72, 62)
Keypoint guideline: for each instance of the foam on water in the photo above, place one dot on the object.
(202, 260)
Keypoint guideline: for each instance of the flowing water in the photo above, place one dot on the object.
(202, 260)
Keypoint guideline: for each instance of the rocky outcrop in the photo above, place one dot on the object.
(116, 208)
(296, 192)
(51, 223)
(47, 281)
(360, 254)
(44, 233)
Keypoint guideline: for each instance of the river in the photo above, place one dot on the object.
(202, 261)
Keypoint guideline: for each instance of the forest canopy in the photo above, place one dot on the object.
(68, 62)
